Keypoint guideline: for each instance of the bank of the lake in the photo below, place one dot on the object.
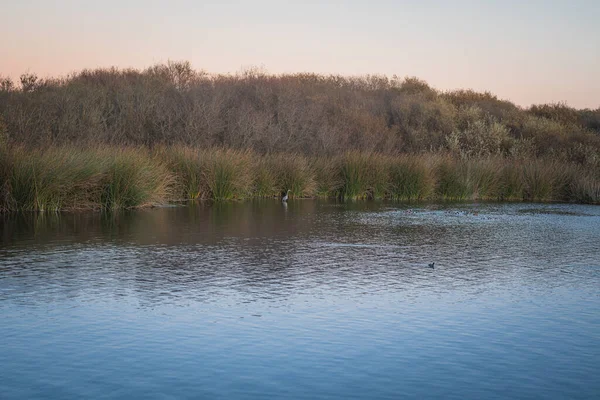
(71, 178)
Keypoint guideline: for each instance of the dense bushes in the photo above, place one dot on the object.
(299, 113)
(110, 138)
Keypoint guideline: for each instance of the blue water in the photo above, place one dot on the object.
(312, 300)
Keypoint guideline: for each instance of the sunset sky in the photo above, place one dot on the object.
(525, 51)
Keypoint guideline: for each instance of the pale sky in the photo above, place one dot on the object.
(525, 51)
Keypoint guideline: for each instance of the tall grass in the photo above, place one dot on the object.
(328, 181)
(228, 174)
(265, 179)
(66, 178)
(544, 180)
(484, 178)
(133, 178)
(512, 185)
(585, 188)
(363, 176)
(293, 172)
(410, 179)
(53, 180)
(62, 178)
(452, 178)
(187, 166)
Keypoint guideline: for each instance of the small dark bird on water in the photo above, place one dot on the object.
(432, 265)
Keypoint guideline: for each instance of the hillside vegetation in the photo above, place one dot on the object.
(306, 114)
(111, 138)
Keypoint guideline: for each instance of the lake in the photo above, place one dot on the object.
(315, 299)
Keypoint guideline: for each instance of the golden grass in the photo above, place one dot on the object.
(61, 178)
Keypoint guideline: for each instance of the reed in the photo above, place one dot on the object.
(227, 173)
(363, 176)
(186, 165)
(293, 172)
(51, 180)
(68, 178)
(452, 181)
(328, 181)
(265, 179)
(410, 179)
(511, 184)
(134, 178)
(378, 179)
(5, 172)
(585, 188)
(484, 178)
(544, 180)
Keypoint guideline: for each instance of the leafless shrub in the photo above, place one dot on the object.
(310, 114)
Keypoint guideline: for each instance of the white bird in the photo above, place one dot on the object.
(286, 196)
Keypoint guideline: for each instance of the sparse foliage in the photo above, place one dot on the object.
(305, 114)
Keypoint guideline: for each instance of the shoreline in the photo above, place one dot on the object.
(109, 178)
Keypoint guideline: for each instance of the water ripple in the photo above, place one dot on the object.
(320, 300)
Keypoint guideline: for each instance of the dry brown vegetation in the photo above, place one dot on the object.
(305, 114)
(111, 138)
(68, 178)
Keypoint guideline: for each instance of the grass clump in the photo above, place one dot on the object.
(452, 179)
(543, 181)
(363, 176)
(484, 178)
(134, 179)
(227, 174)
(585, 188)
(353, 174)
(5, 172)
(187, 166)
(51, 180)
(265, 179)
(511, 185)
(410, 179)
(327, 179)
(294, 173)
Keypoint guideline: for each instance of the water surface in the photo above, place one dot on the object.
(312, 300)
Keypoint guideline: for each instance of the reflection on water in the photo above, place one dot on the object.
(316, 299)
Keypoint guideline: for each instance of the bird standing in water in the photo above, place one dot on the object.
(284, 199)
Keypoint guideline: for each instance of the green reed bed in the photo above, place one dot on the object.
(511, 186)
(228, 174)
(55, 179)
(51, 180)
(544, 180)
(134, 178)
(410, 178)
(293, 172)
(328, 180)
(265, 179)
(452, 179)
(68, 179)
(187, 166)
(585, 188)
(483, 178)
(363, 175)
